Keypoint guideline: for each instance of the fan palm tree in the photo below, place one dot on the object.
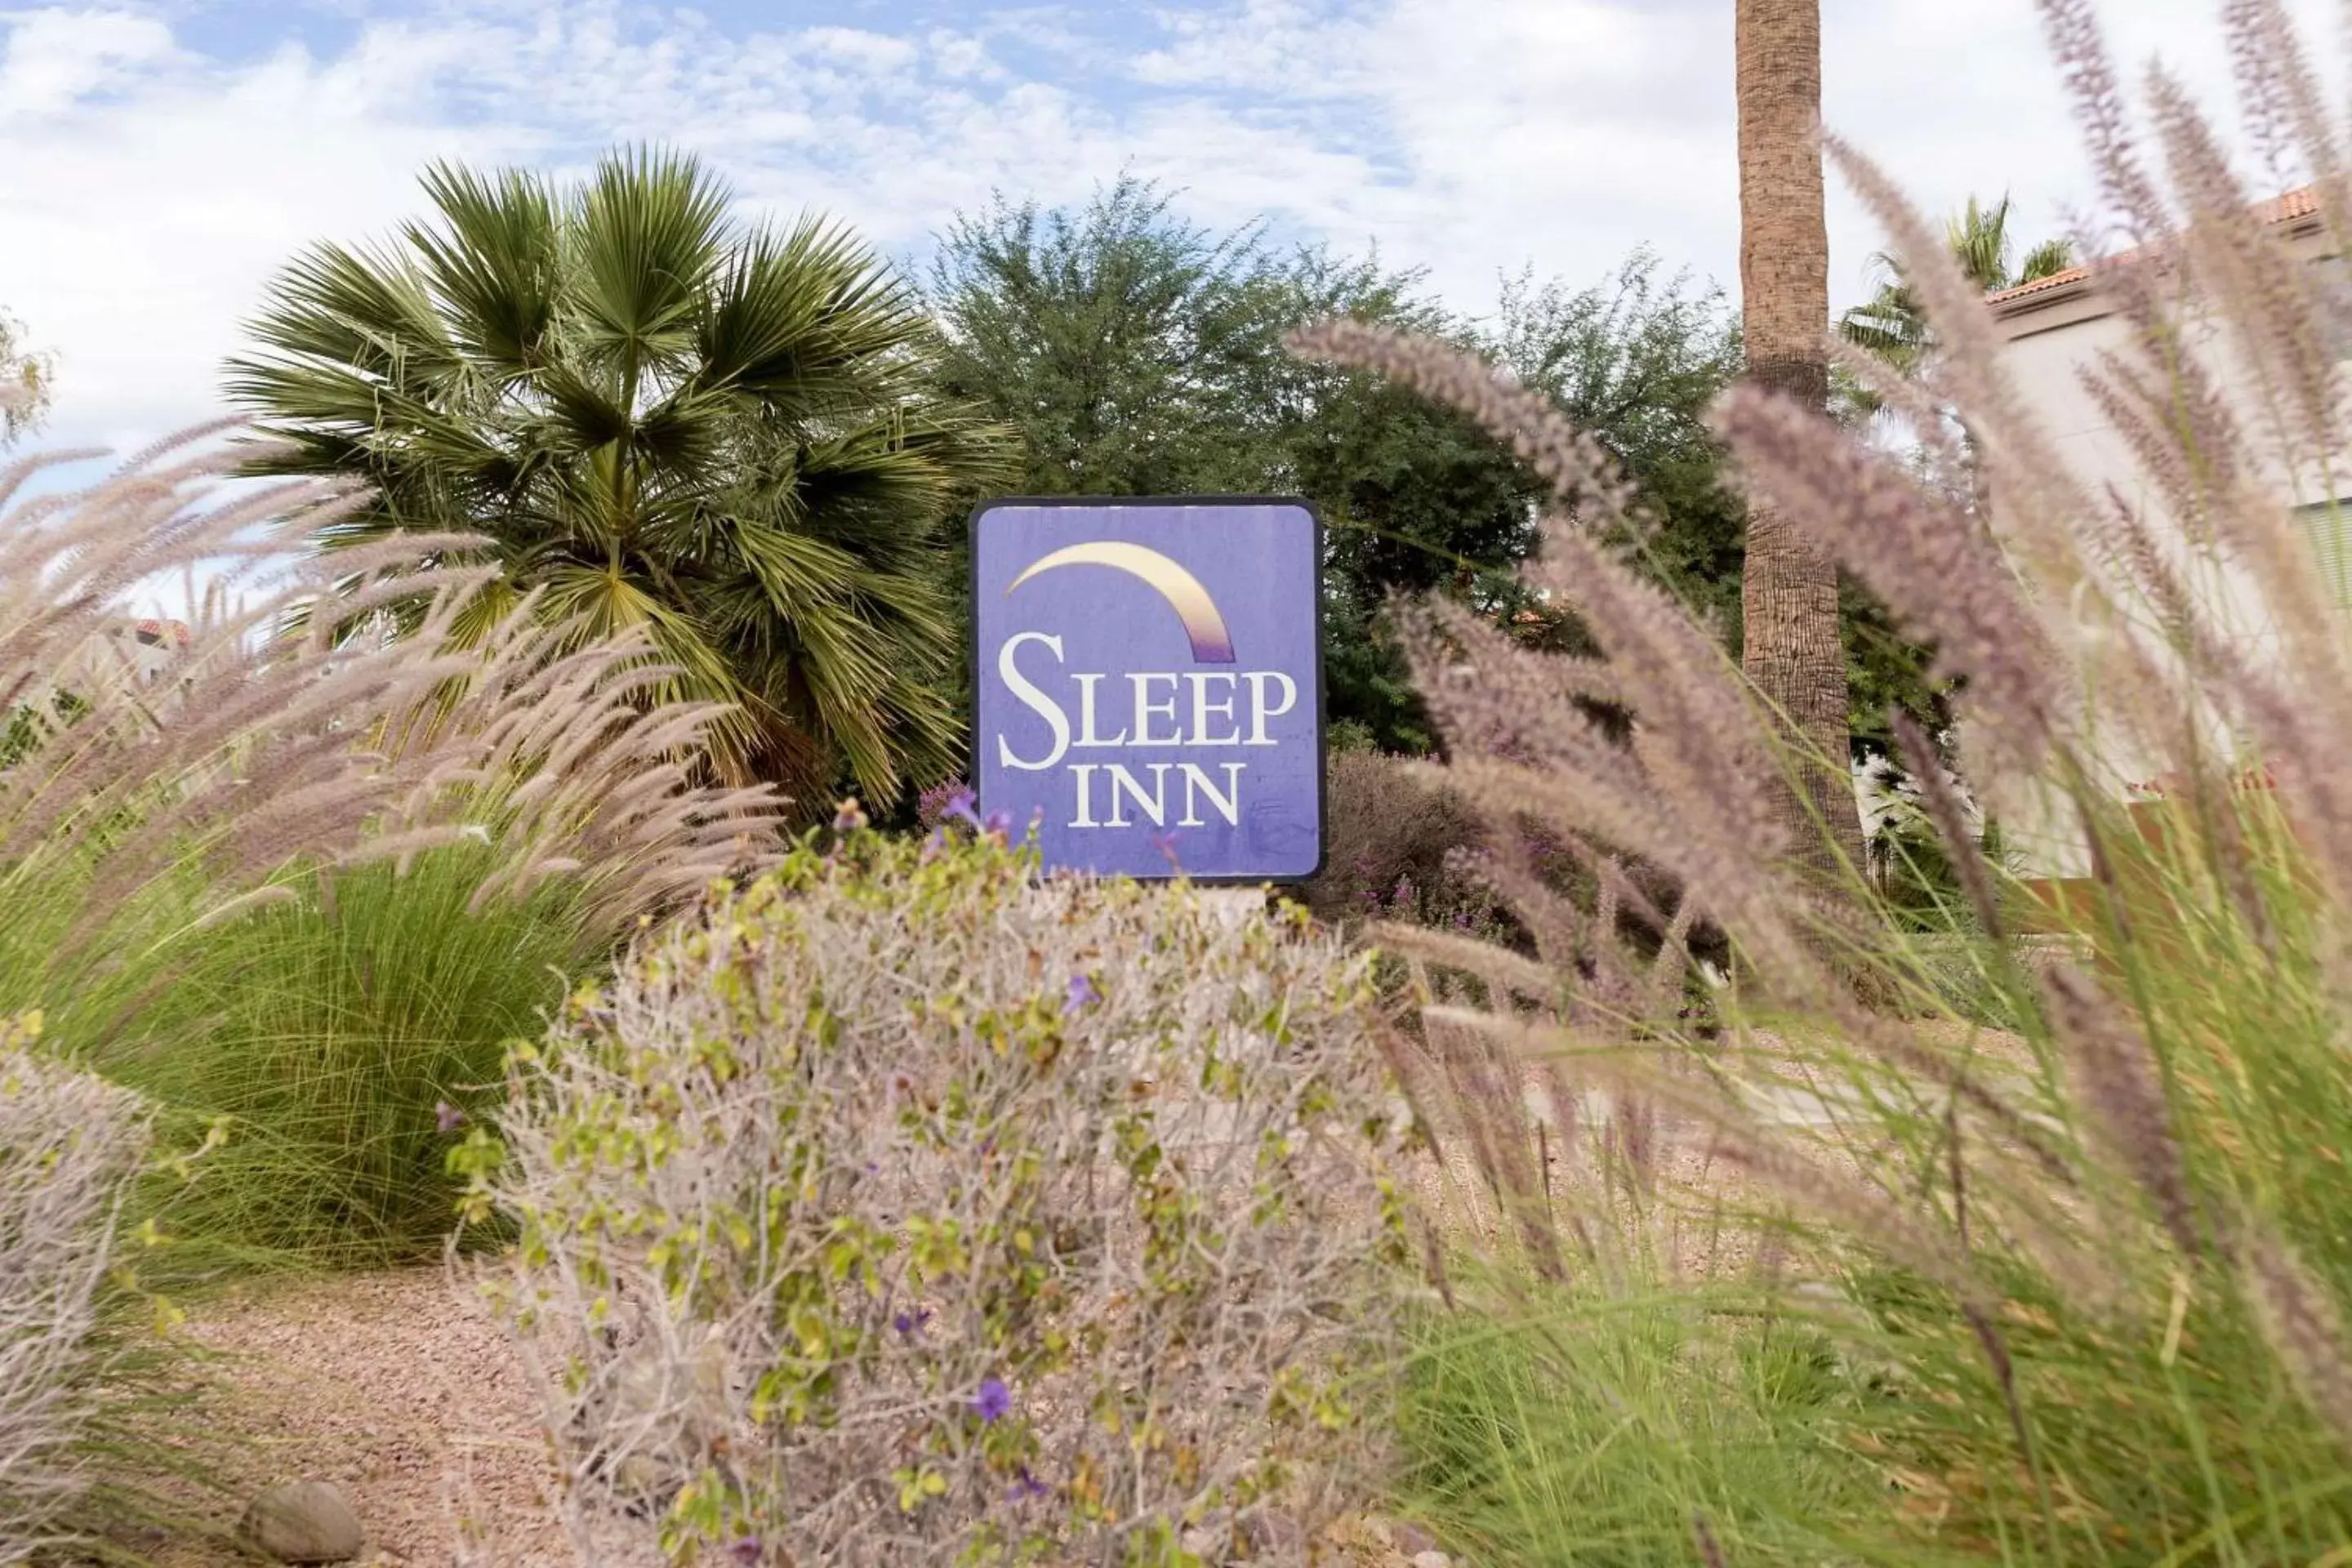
(1790, 643)
(660, 417)
(1891, 325)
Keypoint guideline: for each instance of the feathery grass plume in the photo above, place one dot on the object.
(1490, 1094)
(2301, 1317)
(2078, 46)
(1964, 1166)
(68, 1144)
(1939, 573)
(247, 748)
(1682, 796)
(187, 808)
(1700, 724)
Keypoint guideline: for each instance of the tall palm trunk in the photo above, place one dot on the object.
(1789, 587)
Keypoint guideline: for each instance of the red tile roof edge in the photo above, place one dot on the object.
(2300, 203)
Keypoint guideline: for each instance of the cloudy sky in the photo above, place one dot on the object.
(159, 159)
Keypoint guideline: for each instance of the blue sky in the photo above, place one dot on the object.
(159, 159)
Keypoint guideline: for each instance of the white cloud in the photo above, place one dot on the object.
(55, 58)
(148, 192)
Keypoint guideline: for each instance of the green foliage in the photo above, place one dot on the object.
(661, 418)
(323, 1037)
(1059, 1208)
(1636, 361)
(27, 726)
(1892, 324)
(1595, 1431)
(27, 381)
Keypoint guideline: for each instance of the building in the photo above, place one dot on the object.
(134, 657)
(2057, 328)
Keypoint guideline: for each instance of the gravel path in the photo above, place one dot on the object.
(397, 1389)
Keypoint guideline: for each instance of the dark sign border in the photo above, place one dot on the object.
(1322, 711)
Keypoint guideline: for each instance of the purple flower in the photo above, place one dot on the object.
(960, 806)
(1029, 1485)
(849, 817)
(1082, 993)
(931, 806)
(994, 1400)
(447, 1116)
(999, 824)
(748, 1550)
(909, 1324)
(935, 845)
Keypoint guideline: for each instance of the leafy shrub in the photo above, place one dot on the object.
(1393, 847)
(68, 1142)
(906, 1209)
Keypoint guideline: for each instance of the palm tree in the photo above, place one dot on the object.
(1790, 645)
(1891, 324)
(660, 417)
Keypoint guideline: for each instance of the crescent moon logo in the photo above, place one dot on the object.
(1212, 643)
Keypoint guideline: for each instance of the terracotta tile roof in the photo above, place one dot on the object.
(2301, 203)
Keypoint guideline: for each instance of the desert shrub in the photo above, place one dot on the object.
(904, 1208)
(1393, 847)
(68, 1143)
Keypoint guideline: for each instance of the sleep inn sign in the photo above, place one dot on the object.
(1150, 683)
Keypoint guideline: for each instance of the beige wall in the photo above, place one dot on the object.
(2053, 340)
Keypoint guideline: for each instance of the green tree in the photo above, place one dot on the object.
(1127, 348)
(26, 380)
(1637, 361)
(1137, 353)
(728, 434)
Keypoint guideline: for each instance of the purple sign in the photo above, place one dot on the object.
(1149, 678)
